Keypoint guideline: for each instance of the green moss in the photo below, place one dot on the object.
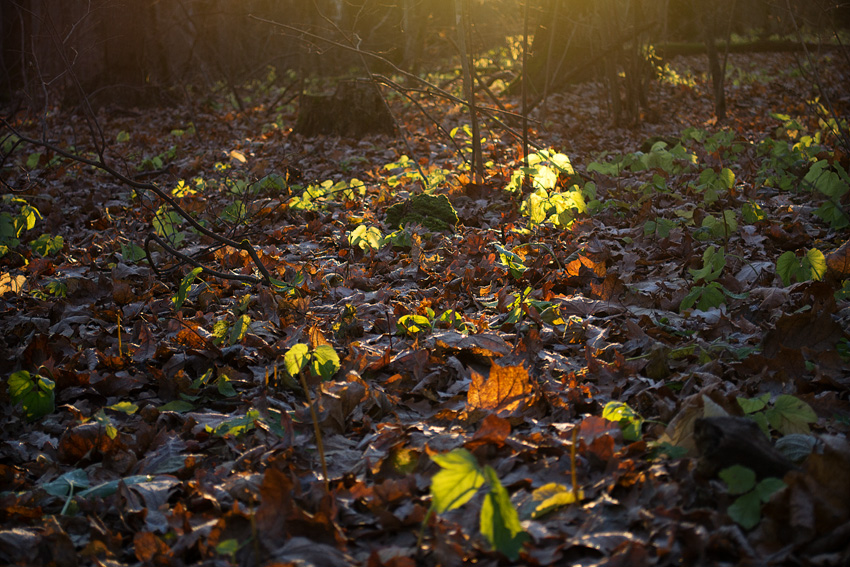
(434, 212)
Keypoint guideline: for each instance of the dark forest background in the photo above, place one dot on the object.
(147, 51)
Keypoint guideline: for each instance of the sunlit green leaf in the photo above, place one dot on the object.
(296, 359)
(457, 482)
(499, 519)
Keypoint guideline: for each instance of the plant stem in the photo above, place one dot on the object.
(317, 431)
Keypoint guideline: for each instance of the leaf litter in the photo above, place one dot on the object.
(549, 353)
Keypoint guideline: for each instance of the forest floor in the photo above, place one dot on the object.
(641, 359)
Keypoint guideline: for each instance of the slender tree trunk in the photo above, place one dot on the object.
(715, 68)
(462, 19)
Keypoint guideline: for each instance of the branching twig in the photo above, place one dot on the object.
(103, 166)
(189, 260)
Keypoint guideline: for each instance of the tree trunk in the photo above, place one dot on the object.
(356, 109)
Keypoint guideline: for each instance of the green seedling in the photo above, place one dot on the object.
(459, 479)
(834, 184)
(185, 286)
(47, 245)
(746, 509)
(629, 420)
(786, 414)
(710, 293)
(790, 267)
(34, 392)
(366, 238)
(413, 325)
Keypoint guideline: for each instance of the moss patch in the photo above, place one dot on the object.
(434, 212)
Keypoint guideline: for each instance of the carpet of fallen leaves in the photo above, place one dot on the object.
(177, 440)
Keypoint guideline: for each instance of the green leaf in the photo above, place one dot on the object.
(817, 264)
(178, 406)
(324, 362)
(754, 404)
(236, 426)
(46, 245)
(412, 325)
(111, 487)
(753, 212)
(128, 408)
(67, 484)
(738, 478)
(787, 266)
(746, 510)
(225, 387)
(727, 177)
(827, 182)
(239, 329)
(227, 547)
(713, 262)
(296, 359)
(552, 496)
(185, 285)
(711, 296)
(106, 422)
(457, 482)
(499, 519)
(132, 253)
(630, 422)
(33, 159)
(790, 415)
(768, 487)
(34, 392)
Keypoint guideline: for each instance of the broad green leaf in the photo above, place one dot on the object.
(817, 264)
(366, 238)
(227, 547)
(711, 296)
(499, 519)
(753, 405)
(236, 426)
(457, 482)
(34, 392)
(788, 267)
(790, 415)
(296, 358)
(738, 478)
(768, 487)
(46, 245)
(132, 253)
(68, 483)
(109, 488)
(630, 422)
(753, 212)
(746, 510)
(412, 324)
(727, 177)
(324, 362)
(225, 387)
(713, 262)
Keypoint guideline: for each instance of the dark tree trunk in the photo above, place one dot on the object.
(355, 109)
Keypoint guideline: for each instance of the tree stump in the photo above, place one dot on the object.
(356, 109)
